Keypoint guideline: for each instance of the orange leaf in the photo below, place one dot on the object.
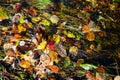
(101, 69)
(90, 36)
(85, 28)
(25, 64)
(53, 68)
(0, 42)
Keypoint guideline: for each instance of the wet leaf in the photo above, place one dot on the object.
(73, 50)
(51, 45)
(36, 19)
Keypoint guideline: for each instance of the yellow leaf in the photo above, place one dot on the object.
(70, 35)
(21, 28)
(36, 19)
(45, 22)
(74, 50)
(92, 46)
(56, 38)
(42, 45)
(90, 36)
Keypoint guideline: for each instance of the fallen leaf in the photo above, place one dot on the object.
(100, 69)
(24, 64)
(45, 59)
(54, 19)
(53, 56)
(117, 78)
(90, 36)
(53, 68)
(42, 45)
(10, 52)
(61, 50)
(85, 29)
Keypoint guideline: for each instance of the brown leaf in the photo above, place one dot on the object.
(10, 52)
(100, 69)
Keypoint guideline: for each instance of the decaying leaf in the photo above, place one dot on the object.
(61, 50)
(54, 19)
(45, 59)
(10, 52)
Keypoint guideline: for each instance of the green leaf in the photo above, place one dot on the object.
(42, 3)
(85, 66)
